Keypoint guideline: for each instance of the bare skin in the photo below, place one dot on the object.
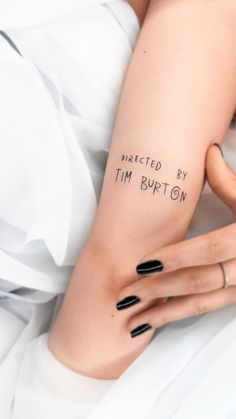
(194, 277)
(178, 97)
(140, 7)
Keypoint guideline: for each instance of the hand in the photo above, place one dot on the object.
(190, 271)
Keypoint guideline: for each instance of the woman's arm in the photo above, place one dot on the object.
(203, 276)
(178, 97)
(140, 7)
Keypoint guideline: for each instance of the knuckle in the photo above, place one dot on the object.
(199, 307)
(213, 249)
(197, 283)
(175, 259)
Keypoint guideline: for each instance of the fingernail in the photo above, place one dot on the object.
(149, 267)
(140, 329)
(219, 147)
(127, 302)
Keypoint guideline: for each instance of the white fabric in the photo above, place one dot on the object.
(57, 111)
(54, 391)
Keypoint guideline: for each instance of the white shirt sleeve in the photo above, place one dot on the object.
(48, 389)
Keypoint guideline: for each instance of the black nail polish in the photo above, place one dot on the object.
(219, 147)
(127, 302)
(140, 329)
(149, 267)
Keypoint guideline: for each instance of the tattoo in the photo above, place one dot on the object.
(174, 192)
(123, 176)
(156, 187)
(181, 174)
(146, 161)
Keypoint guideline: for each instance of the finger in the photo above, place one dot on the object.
(183, 282)
(180, 308)
(207, 249)
(221, 178)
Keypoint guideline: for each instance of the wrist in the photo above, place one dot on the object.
(89, 335)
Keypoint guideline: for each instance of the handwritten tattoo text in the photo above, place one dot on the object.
(152, 185)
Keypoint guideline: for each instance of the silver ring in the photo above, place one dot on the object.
(225, 277)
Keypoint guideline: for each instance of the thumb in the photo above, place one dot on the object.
(221, 178)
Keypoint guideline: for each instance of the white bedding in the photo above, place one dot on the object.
(57, 107)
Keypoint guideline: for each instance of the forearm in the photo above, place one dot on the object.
(178, 97)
